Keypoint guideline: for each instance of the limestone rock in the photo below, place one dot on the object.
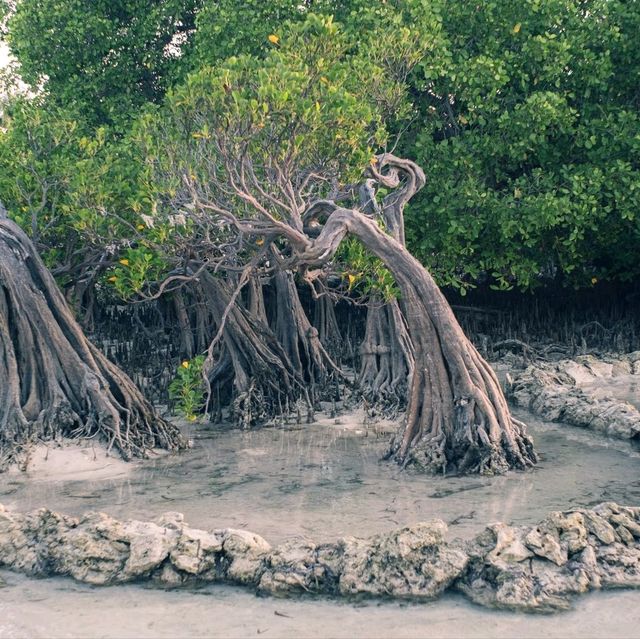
(14, 543)
(526, 568)
(509, 546)
(94, 551)
(413, 562)
(245, 553)
(295, 567)
(627, 521)
(600, 527)
(555, 391)
(149, 546)
(546, 544)
(34, 538)
(619, 565)
(575, 552)
(196, 551)
(172, 520)
(169, 577)
(572, 530)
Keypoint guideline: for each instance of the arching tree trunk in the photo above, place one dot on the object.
(387, 352)
(457, 416)
(53, 381)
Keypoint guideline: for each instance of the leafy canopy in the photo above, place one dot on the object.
(103, 58)
(524, 116)
(530, 138)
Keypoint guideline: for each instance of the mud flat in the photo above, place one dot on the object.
(598, 393)
(70, 461)
(308, 486)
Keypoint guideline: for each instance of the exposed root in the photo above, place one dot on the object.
(251, 367)
(457, 414)
(55, 383)
(326, 322)
(300, 340)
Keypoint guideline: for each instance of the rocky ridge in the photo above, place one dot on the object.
(527, 568)
(564, 392)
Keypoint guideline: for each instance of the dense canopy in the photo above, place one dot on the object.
(524, 116)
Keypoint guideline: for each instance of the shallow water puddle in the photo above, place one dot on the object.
(320, 481)
(325, 481)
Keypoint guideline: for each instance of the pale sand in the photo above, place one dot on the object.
(322, 481)
(52, 608)
(72, 461)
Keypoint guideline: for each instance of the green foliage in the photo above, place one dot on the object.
(187, 388)
(104, 58)
(135, 268)
(299, 108)
(523, 114)
(365, 274)
(42, 162)
(74, 188)
(388, 38)
(36, 155)
(529, 135)
(230, 28)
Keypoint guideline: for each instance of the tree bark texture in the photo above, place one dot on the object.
(53, 381)
(387, 357)
(457, 416)
(301, 340)
(325, 320)
(265, 382)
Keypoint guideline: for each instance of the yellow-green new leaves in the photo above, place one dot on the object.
(298, 109)
(134, 271)
(187, 388)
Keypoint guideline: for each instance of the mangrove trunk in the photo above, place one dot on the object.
(53, 381)
(457, 416)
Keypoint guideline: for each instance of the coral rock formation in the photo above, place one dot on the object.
(526, 568)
